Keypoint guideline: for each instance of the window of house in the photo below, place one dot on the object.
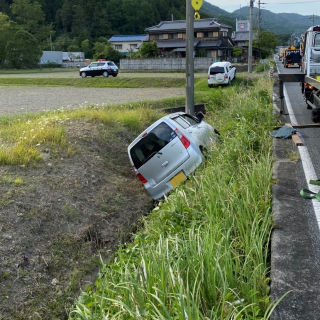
(118, 46)
(133, 46)
(164, 36)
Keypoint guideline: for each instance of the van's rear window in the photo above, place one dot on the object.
(215, 70)
(151, 144)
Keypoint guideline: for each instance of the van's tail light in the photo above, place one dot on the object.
(208, 77)
(226, 76)
(142, 178)
(185, 141)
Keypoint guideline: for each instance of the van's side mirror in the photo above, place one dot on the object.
(200, 116)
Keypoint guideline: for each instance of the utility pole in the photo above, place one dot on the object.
(250, 38)
(259, 24)
(259, 17)
(51, 47)
(189, 58)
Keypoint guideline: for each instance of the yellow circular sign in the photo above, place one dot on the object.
(197, 4)
(196, 15)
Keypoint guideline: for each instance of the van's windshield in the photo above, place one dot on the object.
(151, 144)
(215, 70)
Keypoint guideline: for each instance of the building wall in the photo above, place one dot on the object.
(126, 46)
(164, 64)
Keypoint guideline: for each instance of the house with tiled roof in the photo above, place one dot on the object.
(211, 38)
(127, 43)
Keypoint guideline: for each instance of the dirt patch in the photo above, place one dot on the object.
(58, 216)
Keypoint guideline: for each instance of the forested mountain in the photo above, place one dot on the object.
(69, 22)
(85, 25)
(279, 23)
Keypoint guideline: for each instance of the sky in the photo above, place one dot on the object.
(307, 7)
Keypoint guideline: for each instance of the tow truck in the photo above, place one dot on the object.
(291, 57)
(310, 76)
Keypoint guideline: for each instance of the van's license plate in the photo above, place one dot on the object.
(176, 180)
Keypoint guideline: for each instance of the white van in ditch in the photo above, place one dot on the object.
(169, 150)
(221, 73)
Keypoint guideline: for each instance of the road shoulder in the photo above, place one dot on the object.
(294, 255)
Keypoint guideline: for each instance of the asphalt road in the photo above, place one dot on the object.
(295, 242)
(303, 115)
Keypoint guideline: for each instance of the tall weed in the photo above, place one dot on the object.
(203, 252)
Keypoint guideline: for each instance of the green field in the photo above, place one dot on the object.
(40, 70)
(97, 82)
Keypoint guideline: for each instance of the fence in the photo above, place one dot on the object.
(164, 64)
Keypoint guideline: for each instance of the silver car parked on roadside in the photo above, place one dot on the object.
(170, 150)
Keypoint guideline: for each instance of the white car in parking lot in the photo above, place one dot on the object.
(221, 73)
(170, 150)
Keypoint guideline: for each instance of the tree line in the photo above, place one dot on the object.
(29, 26)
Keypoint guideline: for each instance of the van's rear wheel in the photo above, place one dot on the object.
(83, 74)
(204, 151)
(106, 74)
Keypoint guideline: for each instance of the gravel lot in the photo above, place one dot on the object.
(15, 100)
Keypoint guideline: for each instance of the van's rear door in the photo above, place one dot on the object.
(158, 153)
(217, 74)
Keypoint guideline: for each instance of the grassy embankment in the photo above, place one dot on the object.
(97, 82)
(203, 253)
(39, 70)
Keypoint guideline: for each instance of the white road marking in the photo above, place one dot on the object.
(289, 106)
(307, 165)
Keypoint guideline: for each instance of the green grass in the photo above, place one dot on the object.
(41, 70)
(23, 137)
(96, 82)
(203, 252)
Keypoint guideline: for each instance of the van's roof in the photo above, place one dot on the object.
(220, 64)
